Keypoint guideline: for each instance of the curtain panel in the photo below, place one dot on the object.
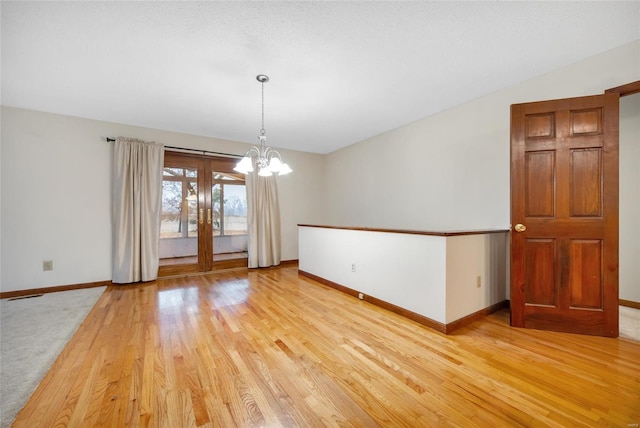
(137, 204)
(263, 221)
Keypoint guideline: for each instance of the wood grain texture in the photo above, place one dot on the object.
(271, 348)
(564, 189)
(410, 232)
(420, 319)
(630, 303)
(628, 89)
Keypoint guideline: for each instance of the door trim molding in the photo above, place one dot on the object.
(630, 304)
(627, 89)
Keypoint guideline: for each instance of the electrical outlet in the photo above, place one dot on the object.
(360, 296)
(47, 265)
(353, 267)
(478, 281)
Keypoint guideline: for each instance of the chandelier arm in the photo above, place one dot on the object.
(253, 150)
(268, 152)
(274, 153)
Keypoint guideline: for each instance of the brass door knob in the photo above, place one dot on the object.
(520, 227)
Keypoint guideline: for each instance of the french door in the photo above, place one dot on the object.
(204, 212)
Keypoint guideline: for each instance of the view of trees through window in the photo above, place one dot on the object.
(180, 204)
(229, 206)
(179, 218)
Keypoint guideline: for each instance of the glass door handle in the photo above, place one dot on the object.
(209, 216)
(201, 216)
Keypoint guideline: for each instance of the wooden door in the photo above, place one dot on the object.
(564, 213)
(182, 247)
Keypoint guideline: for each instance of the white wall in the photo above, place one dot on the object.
(451, 170)
(630, 198)
(0, 197)
(56, 200)
(406, 270)
(470, 257)
(434, 276)
(447, 171)
(56, 195)
(302, 197)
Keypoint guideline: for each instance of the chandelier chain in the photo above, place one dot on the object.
(262, 131)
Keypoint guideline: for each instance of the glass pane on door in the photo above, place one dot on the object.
(179, 218)
(229, 200)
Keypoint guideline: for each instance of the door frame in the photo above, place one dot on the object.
(624, 90)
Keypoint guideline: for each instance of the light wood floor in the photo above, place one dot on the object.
(270, 348)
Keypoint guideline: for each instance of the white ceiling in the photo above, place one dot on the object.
(340, 72)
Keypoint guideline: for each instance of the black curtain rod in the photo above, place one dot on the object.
(204, 152)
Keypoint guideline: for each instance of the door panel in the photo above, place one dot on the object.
(230, 238)
(540, 272)
(540, 182)
(586, 182)
(585, 274)
(180, 248)
(540, 125)
(585, 122)
(564, 181)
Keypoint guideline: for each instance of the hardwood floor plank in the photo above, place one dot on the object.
(79, 407)
(271, 348)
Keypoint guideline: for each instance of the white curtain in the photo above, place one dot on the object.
(263, 220)
(137, 202)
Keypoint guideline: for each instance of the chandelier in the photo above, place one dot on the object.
(268, 160)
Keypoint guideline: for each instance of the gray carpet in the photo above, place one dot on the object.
(33, 332)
